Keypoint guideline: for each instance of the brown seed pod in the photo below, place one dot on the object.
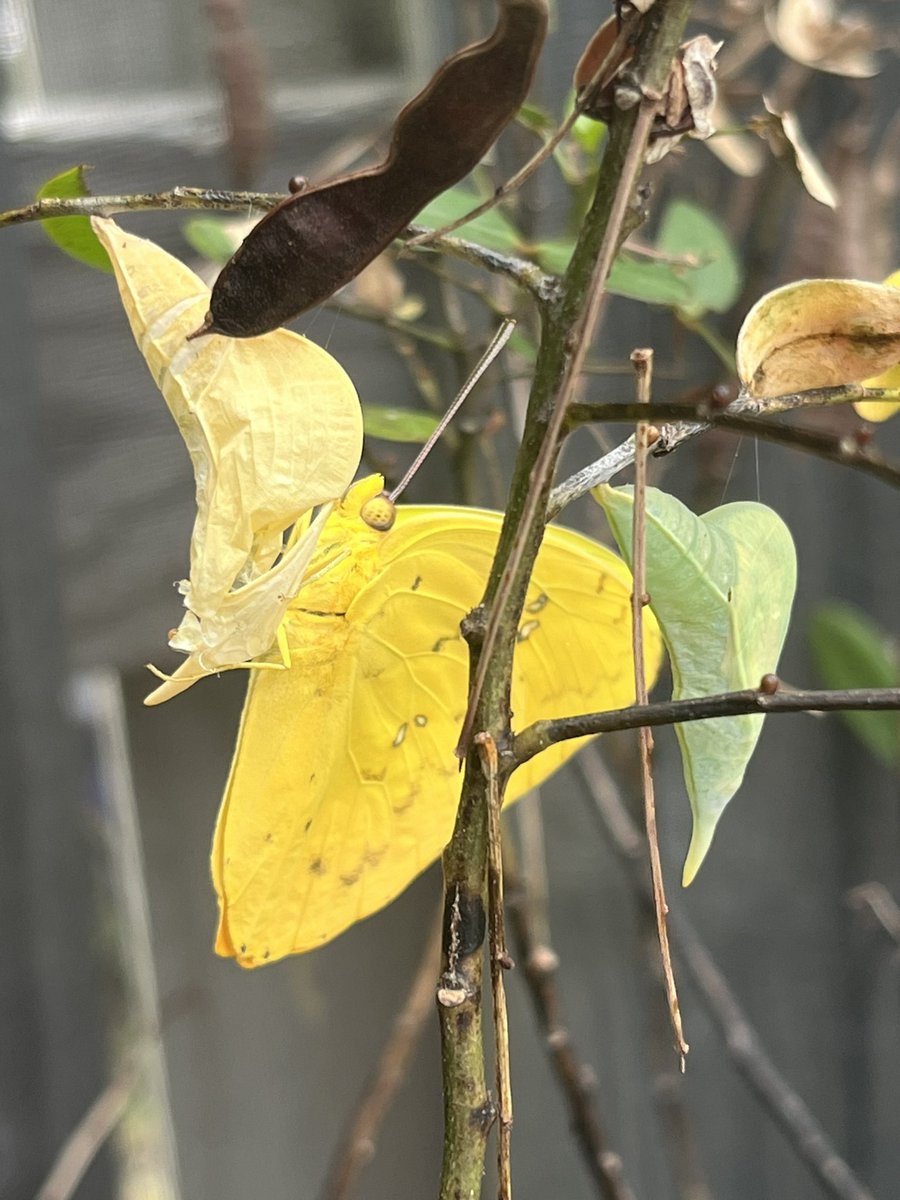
(321, 237)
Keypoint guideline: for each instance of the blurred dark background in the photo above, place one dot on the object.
(108, 808)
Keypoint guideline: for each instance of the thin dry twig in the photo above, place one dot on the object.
(210, 199)
(499, 962)
(784, 1105)
(527, 275)
(643, 367)
(89, 1136)
(882, 905)
(357, 1147)
(846, 450)
(242, 75)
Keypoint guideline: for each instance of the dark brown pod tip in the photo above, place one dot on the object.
(208, 326)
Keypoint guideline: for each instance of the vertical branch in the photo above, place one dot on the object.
(469, 1111)
(643, 366)
(499, 962)
(569, 321)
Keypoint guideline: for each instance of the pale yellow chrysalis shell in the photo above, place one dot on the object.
(273, 427)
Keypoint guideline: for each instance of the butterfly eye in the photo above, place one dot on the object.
(379, 513)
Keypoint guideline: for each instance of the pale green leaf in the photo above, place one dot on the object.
(397, 424)
(851, 651)
(716, 282)
(636, 278)
(721, 587)
(215, 238)
(73, 235)
(492, 229)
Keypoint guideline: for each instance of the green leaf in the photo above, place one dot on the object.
(215, 238)
(688, 230)
(397, 424)
(589, 134)
(644, 279)
(536, 119)
(492, 229)
(73, 235)
(721, 587)
(637, 278)
(850, 651)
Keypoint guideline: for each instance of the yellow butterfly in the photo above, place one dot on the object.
(344, 783)
(273, 427)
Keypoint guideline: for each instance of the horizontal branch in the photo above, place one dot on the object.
(847, 450)
(207, 199)
(541, 734)
(689, 420)
(527, 275)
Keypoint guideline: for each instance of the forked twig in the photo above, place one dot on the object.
(90, 1134)
(740, 415)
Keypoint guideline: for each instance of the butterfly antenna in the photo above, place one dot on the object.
(498, 341)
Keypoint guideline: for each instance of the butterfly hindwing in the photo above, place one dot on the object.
(344, 785)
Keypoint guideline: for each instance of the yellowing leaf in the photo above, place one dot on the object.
(880, 410)
(273, 427)
(721, 587)
(785, 138)
(818, 333)
(344, 784)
